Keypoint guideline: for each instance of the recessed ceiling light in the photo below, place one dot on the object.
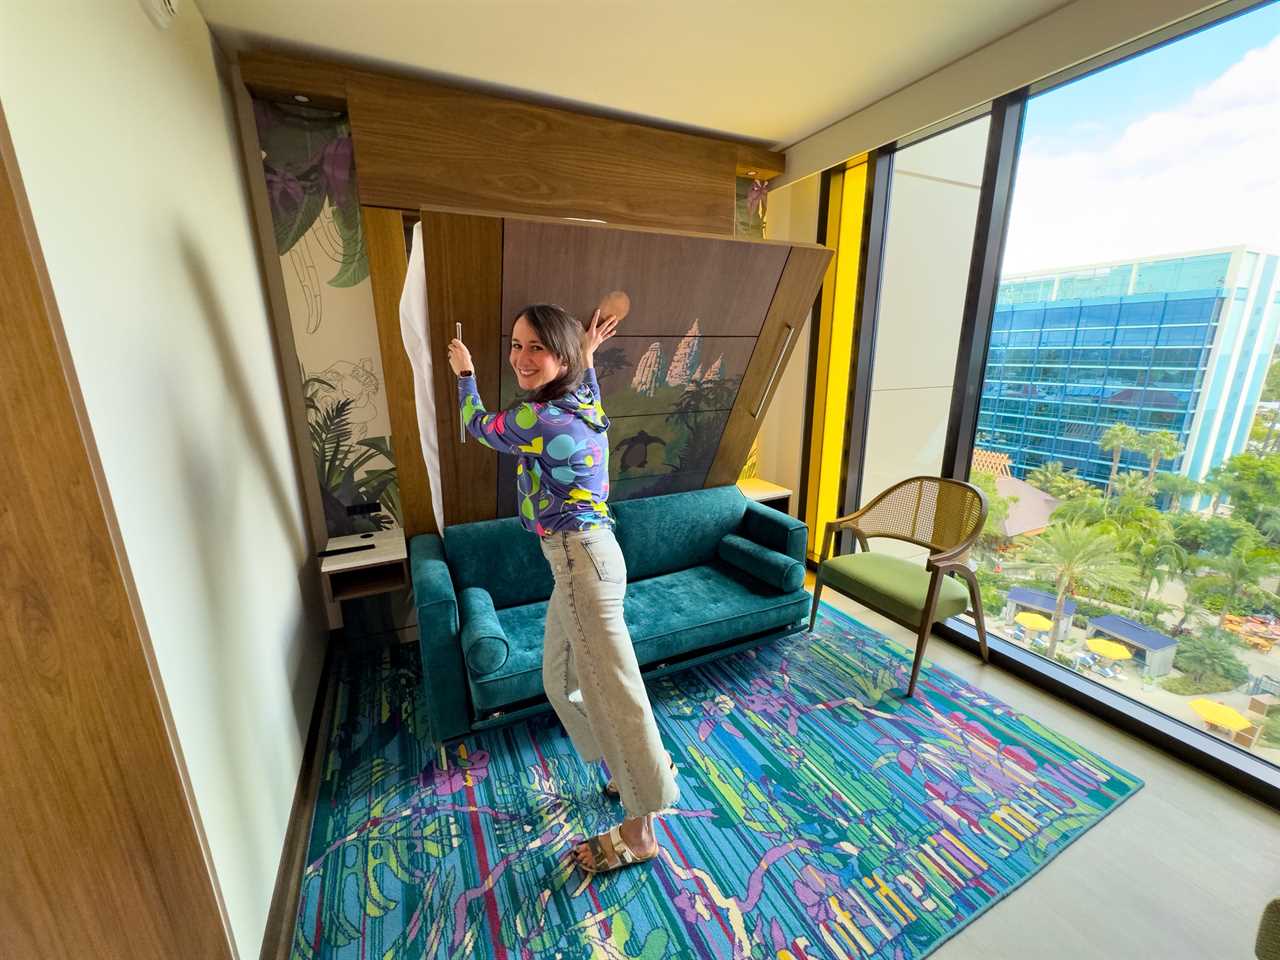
(751, 173)
(301, 99)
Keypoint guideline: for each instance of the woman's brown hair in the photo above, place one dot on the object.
(562, 335)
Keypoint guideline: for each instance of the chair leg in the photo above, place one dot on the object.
(981, 622)
(926, 627)
(978, 618)
(817, 592)
(922, 638)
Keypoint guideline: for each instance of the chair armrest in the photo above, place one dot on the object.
(444, 675)
(774, 529)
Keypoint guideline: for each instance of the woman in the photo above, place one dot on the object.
(589, 666)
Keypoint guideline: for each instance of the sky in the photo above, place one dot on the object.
(1175, 150)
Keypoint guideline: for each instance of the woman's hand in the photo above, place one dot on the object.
(459, 358)
(597, 333)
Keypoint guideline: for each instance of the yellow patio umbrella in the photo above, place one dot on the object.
(1033, 621)
(1108, 648)
(1219, 714)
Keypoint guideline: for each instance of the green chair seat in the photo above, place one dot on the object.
(892, 585)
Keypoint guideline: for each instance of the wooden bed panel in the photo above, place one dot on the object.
(788, 313)
(673, 279)
(688, 377)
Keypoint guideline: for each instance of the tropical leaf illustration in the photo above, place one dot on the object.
(339, 463)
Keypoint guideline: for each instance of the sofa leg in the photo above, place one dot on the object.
(817, 592)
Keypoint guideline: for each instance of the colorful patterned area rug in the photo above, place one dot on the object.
(820, 816)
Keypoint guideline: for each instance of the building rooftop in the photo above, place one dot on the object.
(1122, 628)
(1039, 600)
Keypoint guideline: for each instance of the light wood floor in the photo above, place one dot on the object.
(1182, 870)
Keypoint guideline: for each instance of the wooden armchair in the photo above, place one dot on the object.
(944, 516)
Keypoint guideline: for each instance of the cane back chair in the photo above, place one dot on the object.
(944, 516)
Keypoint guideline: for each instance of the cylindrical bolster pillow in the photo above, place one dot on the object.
(777, 569)
(484, 642)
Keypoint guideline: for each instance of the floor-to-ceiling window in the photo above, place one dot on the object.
(1128, 431)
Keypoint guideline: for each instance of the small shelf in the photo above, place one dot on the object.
(380, 565)
(366, 581)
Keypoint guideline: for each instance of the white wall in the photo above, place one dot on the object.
(127, 147)
(792, 215)
(1070, 35)
(933, 209)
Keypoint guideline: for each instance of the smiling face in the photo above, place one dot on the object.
(533, 363)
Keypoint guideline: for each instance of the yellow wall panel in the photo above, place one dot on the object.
(835, 351)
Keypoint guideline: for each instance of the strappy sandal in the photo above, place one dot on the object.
(614, 854)
(610, 789)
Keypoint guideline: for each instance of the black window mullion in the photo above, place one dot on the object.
(984, 278)
(875, 221)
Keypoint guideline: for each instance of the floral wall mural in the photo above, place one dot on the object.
(309, 166)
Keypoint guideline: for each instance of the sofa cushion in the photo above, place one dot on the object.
(667, 616)
(657, 535)
(893, 585)
(500, 556)
(776, 569)
(484, 643)
(660, 535)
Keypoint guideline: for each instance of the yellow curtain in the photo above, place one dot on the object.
(835, 350)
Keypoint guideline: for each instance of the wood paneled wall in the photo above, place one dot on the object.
(388, 265)
(102, 853)
(419, 143)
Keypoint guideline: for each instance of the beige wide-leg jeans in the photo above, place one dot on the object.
(590, 672)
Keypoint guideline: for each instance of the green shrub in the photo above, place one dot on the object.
(1186, 686)
(1271, 731)
(1211, 655)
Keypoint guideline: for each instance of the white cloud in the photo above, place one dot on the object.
(1203, 174)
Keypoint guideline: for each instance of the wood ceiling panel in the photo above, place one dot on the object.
(420, 144)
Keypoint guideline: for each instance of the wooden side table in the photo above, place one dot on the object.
(766, 493)
(379, 566)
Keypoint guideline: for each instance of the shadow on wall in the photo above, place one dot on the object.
(208, 457)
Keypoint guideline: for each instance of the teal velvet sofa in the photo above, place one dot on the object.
(708, 572)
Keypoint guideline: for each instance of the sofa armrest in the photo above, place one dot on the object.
(775, 530)
(768, 566)
(444, 687)
(484, 643)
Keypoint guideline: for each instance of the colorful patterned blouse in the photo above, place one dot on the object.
(562, 475)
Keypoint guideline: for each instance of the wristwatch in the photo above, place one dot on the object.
(466, 373)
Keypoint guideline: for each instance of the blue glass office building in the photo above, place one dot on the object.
(1178, 343)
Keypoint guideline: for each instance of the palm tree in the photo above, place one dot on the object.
(1131, 483)
(1176, 486)
(1059, 482)
(1075, 556)
(1243, 568)
(1118, 438)
(1212, 485)
(1156, 556)
(1159, 445)
(1268, 523)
